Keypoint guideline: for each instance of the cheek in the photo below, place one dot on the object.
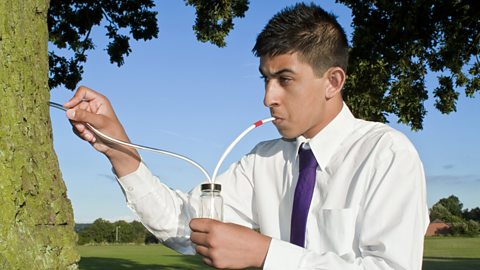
(300, 114)
(309, 112)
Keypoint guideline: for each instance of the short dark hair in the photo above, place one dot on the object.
(309, 30)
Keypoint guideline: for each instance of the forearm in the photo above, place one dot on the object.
(163, 211)
(124, 160)
(285, 256)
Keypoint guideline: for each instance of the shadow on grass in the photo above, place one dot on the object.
(98, 263)
(450, 263)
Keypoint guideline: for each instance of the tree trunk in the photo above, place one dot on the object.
(36, 217)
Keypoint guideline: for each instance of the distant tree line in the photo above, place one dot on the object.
(462, 221)
(104, 231)
(450, 210)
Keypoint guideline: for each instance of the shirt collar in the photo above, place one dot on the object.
(326, 142)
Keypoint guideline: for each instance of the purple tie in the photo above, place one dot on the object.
(303, 196)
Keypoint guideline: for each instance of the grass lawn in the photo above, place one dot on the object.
(136, 257)
(441, 253)
(451, 253)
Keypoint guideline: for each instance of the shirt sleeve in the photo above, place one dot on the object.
(163, 211)
(390, 226)
(167, 213)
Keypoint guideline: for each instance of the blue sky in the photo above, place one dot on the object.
(193, 98)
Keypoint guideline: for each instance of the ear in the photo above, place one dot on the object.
(335, 81)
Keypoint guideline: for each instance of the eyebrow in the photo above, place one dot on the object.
(284, 70)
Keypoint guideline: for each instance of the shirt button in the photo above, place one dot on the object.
(130, 188)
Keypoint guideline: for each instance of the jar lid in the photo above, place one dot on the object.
(211, 186)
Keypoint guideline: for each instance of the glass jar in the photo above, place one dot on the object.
(211, 202)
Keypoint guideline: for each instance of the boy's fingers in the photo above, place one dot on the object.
(83, 93)
(78, 115)
(201, 224)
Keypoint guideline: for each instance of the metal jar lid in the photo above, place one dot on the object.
(211, 187)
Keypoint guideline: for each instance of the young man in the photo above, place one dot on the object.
(360, 203)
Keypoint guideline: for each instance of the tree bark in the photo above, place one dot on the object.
(36, 217)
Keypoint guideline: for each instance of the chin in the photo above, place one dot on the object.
(287, 135)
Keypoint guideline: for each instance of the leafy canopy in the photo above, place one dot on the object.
(70, 23)
(394, 45)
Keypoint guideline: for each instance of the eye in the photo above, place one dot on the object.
(284, 80)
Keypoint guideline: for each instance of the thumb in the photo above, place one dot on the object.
(79, 115)
(202, 224)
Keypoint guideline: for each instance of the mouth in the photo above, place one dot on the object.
(277, 120)
(276, 114)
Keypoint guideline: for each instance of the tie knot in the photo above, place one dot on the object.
(307, 159)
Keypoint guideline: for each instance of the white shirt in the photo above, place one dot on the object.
(368, 209)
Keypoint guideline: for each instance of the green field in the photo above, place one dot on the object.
(136, 257)
(451, 253)
(446, 253)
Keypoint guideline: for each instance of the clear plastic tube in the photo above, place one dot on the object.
(165, 152)
(230, 147)
(160, 151)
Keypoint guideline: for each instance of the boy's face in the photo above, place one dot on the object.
(295, 95)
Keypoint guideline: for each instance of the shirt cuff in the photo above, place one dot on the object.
(282, 255)
(137, 183)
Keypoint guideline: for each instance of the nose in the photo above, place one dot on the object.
(271, 98)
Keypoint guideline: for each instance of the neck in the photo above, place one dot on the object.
(333, 107)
